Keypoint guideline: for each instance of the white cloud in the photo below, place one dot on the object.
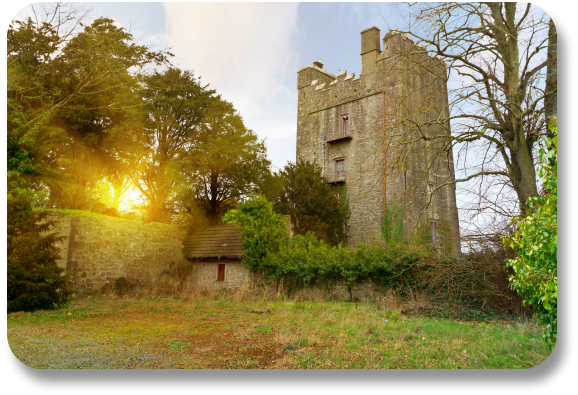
(24, 13)
(118, 24)
(247, 52)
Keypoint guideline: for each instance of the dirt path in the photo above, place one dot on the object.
(144, 337)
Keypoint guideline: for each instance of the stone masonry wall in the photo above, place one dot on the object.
(98, 250)
(374, 104)
(361, 291)
(237, 276)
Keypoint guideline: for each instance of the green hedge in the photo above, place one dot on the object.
(307, 260)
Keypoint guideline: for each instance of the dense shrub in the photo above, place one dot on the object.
(34, 279)
(262, 230)
(476, 281)
(535, 242)
(306, 260)
(303, 193)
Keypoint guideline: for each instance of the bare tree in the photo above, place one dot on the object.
(492, 58)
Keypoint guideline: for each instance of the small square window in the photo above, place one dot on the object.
(221, 272)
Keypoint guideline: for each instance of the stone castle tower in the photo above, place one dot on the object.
(361, 132)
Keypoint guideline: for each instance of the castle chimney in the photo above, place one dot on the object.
(318, 63)
(370, 47)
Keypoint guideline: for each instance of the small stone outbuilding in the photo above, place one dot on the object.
(216, 254)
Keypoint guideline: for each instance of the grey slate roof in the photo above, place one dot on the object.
(218, 241)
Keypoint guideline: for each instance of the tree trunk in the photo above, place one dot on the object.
(214, 203)
(524, 178)
(551, 100)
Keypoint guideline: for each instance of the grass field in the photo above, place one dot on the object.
(223, 332)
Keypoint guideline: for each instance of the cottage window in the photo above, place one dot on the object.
(345, 125)
(340, 169)
(221, 272)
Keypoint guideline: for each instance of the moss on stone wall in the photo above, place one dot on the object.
(100, 249)
(80, 213)
(392, 224)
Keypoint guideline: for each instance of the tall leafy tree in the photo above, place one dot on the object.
(67, 96)
(227, 164)
(175, 105)
(312, 204)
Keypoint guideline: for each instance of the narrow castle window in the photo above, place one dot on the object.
(405, 180)
(435, 234)
(431, 195)
(340, 169)
(345, 125)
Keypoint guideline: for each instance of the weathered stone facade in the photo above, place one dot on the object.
(236, 276)
(352, 127)
(99, 250)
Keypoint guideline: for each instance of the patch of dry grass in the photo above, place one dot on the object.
(220, 331)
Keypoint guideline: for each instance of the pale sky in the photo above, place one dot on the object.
(250, 52)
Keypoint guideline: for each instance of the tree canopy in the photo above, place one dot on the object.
(88, 120)
(299, 190)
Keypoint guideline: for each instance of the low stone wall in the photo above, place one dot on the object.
(98, 250)
(239, 277)
(361, 291)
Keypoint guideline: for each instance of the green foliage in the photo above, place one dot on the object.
(81, 213)
(34, 278)
(536, 244)
(307, 259)
(312, 204)
(228, 163)
(175, 103)
(262, 230)
(392, 224)
(71, 103)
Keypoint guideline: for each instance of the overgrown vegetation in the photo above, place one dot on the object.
(306, 260)
(392, 224)
(429, 278)
(536, 244)
(217, 331)
(262, 230)
(35, 280)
